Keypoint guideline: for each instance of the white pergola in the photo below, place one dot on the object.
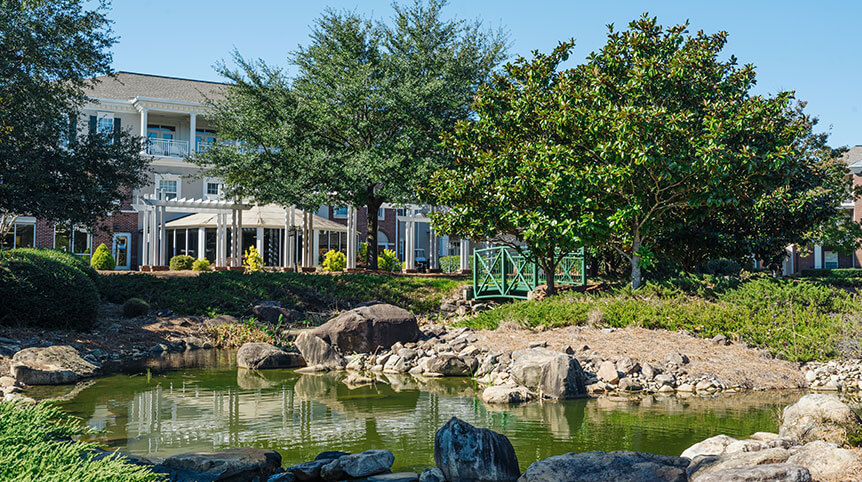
(228, 214)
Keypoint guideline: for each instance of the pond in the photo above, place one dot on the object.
(210, 404)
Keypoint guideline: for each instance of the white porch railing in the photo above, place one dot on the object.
(167, 147)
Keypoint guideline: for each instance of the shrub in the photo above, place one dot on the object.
(38, 290)
(35, 444)
(102, 259)
(253, 260)
(135, 307)
(832, 273)
(181, 262)
(363, 251)
(722, 267)
(201, 265)
(388, 261)
(334, 261)
(78, 262)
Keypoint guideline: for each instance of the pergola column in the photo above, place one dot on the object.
(239, 237)
(163, 235)
(313, 242)
(202, 242)
(233, 238)
(351, 238)
(410, 242)
(433, 254)
(258, 240)
(304, 256)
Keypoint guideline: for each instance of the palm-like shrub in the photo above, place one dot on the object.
(388, 261)
(102, 259)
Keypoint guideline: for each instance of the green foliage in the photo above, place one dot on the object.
(49, 53)
(39, 291)
(201, 265)
(834, 273)
(181, 262)
(102, 259)
(358, 123)
(253, 260)
(65, 257)
(388, 261)
(451, 264)
(334, 261)
(363, 251)
(135, 307)
(793, 320)
(36, 444)
(234, 293)
(722, 267)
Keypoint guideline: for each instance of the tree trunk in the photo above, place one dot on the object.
(371, 233)
(550, 267)
(636, 261)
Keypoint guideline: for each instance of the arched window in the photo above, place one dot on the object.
(383, 241)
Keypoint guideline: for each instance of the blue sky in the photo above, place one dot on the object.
(810, 47)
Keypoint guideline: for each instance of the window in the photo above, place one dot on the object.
(203, 139)
(381, 214)
(73, 240)
(160, 141)
(104, 122)
(213, 188)
(830, 259)
(339, 212)
(22, 235)
(171, 185)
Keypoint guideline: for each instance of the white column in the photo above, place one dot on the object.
(202, 242)
(258, 242)
(144, 130)
(291, 239)
(434, 253)
(145, 241)
(465, 254)
(314, 245)
(163, 232)
(303, 258)
(193, 121)
(219, 239)
(232, 255)
(239, 237)
(818, 256)
(285, 248)
(154, 238)
(351, 238)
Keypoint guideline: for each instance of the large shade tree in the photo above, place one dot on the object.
(359, 122)
(49, 52)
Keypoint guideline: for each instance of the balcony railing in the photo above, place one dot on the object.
(167, 147)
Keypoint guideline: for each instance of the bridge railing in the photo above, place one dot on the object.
(502, 272)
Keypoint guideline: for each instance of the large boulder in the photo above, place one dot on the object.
(234, 465)
(271, 311)
(264, 355)
(821, 417)
(505, 394)
(704, 465)
(370, 462)
(317, 353)
(464, 452)
(53, 365)
(716, 445)
(760, 473)
(551, 373)
(621, 466)
(368, 327)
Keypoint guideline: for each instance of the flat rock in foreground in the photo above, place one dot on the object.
(621, 466)
(233, 465)
(368, 327)
(258, 356)
(53, 365)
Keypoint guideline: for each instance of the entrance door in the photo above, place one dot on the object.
(122, 245)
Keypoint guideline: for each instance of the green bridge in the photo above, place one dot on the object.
(502, 272)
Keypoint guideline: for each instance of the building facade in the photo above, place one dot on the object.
(170, 114)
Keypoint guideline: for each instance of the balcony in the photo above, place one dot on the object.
(167, 147)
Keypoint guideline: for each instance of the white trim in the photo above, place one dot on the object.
(335, 214)
(169, 177)
(72, 229)
(128, 237)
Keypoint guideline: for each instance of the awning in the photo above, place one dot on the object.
(269, 216)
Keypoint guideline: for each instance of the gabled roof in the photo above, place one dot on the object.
(128, 85)
(853, 158)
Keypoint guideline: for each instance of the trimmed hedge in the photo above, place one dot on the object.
(181, 262)
(73, 260)
(135, 307)
(39, 290)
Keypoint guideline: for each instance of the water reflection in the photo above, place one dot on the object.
(302, 415)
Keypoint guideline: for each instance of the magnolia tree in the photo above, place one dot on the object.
(652, 133)
(517, 179)
(359, 123)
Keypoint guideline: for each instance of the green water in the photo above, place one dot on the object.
(210, 404)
